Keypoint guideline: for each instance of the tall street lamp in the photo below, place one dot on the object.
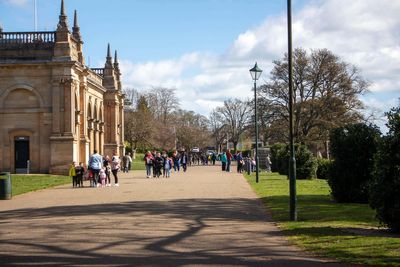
(292, 159)
(255, 74)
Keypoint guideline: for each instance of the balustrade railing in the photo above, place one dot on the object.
(98, 71)
(27, 37)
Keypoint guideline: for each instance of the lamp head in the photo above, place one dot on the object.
(255, 72)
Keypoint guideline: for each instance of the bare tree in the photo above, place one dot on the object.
(236, 114)
(191, 129)
(163, 102)
(138, 125)
(326, 91)
(131, 98)
(218, 128)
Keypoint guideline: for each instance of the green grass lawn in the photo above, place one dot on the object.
(138, 162)
(347, 232)
(32, 182)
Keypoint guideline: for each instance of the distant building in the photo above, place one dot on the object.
(53, 108)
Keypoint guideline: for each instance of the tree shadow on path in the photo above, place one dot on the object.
(229, 232)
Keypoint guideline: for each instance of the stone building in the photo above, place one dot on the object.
(53, 108)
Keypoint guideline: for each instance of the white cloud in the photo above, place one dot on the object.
(361, 32)
(20, 3)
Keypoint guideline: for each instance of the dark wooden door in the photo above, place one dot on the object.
(21, 154)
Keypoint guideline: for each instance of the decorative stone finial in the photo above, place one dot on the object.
(116, 63)
(109, 63)
(108, 51)
(62, 21)
(76, 30)
(62, 13)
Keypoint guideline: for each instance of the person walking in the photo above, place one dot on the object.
(130, 161)
(164, 157)
(184, 160)
(167, 167)
(158, 164)
(223, 161)
(126, 162)
(148, 162)
(175, 158)
(95, 164)
(213, 158)
(72, 174)
(268, 163)
(107, 169)
(229, 160)
(239, 159)
(79, 171)
(115, 167)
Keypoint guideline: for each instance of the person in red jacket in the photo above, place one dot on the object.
(148, 161)
(229, 160)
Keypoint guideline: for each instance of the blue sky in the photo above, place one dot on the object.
(145, 30)
(204, 48)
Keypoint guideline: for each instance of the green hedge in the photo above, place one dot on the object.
(323, 168)
(385, 190)
(306, 165)
(278, 150)
(353, 148)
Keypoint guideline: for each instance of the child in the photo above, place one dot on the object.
(103, 177)
(108, 174)
(91, 178)
(72, 174)
(167, 167)
(107, 166)
(79, 171)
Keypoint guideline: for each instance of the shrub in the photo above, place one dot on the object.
(305, 162)
(277, 150)
(323, 168)
(385, 191)
(353, 148)
(306, 165)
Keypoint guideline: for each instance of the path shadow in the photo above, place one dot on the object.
(194, 215)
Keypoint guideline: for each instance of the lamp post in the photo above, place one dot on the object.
(255, 74)
(292, 159)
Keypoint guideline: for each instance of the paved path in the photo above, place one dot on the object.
(201, 218)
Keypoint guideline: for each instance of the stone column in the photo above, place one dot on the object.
(68, 107)
(91, 136)
(121, 123)
(83, 134)
(56, 97)
(101, 138)
(96, 135)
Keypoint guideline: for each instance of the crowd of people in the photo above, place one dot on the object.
(158, 163)
(99, 170)
(226, 158)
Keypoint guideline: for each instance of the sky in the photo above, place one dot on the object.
(204, 48)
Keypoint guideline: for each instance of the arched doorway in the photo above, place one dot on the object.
(21, 154)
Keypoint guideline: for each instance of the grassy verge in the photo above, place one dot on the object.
(28, 182)
(347, 232)
(138, 163)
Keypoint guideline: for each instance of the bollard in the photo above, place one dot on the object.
(248, 165)
(5, 186)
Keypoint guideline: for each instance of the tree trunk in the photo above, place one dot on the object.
(235, 145)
